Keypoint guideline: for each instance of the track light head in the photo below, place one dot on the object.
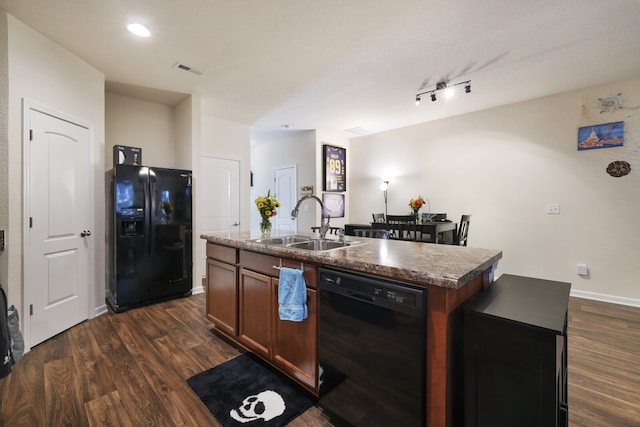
(417, 99)
(467, 88)
(433, 97)
(441, 85)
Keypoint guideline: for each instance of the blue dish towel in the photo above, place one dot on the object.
(292, 295)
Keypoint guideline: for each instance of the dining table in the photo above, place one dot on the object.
(438, 231)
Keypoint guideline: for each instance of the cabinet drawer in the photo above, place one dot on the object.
(222, 253)
(260, 262)
(310, 276)
(264, 264)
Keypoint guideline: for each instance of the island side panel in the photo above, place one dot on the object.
(443, 327)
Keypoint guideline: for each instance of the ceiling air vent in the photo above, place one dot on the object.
(359, 130)
(188, 68)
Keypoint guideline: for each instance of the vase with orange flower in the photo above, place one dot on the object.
(415, 205)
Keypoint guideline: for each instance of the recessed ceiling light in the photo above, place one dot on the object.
(139, 30)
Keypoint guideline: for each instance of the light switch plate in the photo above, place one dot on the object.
(553, 208)
(582, 270)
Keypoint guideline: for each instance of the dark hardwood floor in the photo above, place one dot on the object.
(130, 370)
(604, 364)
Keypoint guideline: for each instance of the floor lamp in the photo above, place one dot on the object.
(383, 188)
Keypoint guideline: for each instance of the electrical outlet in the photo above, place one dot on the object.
(553, 208)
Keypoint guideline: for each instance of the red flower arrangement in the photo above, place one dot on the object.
(416, 204)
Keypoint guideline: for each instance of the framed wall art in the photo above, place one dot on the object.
(333, 205)
(601, 136)
(335, 168)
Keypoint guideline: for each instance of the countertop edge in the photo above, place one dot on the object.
(333, 259)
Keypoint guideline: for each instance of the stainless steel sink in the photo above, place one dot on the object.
(285, 240)
(305, 243)
(322, 245)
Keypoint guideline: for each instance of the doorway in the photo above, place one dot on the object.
(218, 195)
(285, 184)
(58, 239)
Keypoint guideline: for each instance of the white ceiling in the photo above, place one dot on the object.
(341, 64)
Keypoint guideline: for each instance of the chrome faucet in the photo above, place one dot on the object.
(324, 226)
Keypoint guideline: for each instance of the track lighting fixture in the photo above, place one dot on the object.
(449, 90)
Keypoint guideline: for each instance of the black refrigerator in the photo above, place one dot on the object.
(149, 235)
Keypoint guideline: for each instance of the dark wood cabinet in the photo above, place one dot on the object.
(295, 344)
(290, 346)
(255, 312)
(515, 354)
(242, 302)
(222, 288)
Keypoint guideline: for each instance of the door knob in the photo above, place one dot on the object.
(235, 224)
(85, 233)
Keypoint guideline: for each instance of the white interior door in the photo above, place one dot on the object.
(218, 192)
(57, 270)
(285, 186)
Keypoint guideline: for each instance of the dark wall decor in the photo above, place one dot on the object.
(335, 168)
(618, 168)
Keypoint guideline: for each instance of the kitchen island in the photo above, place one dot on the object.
(241, 289)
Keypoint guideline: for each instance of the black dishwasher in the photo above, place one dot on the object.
(372, 335)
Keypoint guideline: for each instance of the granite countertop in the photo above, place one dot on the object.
(422, 263)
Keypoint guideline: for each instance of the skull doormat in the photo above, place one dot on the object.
(245, 391)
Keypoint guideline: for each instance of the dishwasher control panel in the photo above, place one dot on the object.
(373, 290)
(395, 295)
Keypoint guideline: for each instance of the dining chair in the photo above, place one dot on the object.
(433, 217)
(425, 217)
(368, 232)
(378, 217)
(405, 225)
(462, 234)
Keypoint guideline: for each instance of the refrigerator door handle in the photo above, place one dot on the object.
(152, 219)
(148, 212)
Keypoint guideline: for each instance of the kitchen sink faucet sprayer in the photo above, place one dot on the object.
(324, 226)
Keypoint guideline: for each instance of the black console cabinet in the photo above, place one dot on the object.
(515, 351)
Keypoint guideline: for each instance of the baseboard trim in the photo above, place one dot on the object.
(197, 290)
(99, 311)
(606, 298)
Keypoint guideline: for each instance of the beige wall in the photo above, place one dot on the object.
(4, 144)
(337, 140)
(137, 123)
(185, 132)
(503, 166)
(223, 139)
(44, 73)
(295, 150)
(303, 149)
